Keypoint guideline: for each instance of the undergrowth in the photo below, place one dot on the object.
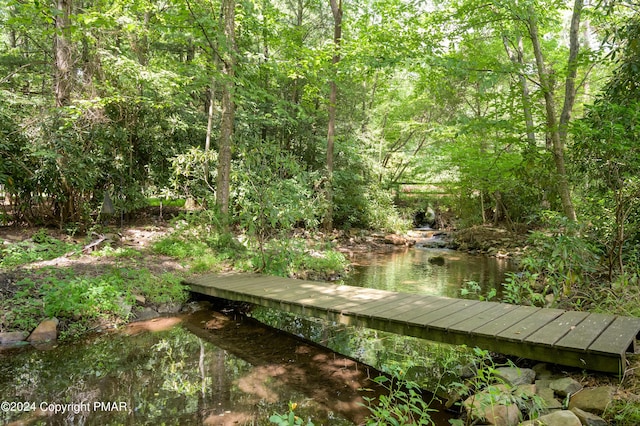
(39, 247)
(81, 300)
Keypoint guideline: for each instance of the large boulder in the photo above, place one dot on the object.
(588, 419)
(565, 386)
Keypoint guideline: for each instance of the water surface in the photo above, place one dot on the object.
(205, 368)
(439, 272)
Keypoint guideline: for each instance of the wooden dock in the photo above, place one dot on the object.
(580, 339)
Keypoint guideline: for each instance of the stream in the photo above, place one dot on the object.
(206, 367)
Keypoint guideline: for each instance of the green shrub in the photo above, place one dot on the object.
(82, 297)
(402, 405)
(561, 259)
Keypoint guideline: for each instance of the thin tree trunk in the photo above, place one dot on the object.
(572, 70)
(336, 9)
(557, 142)
(62, 90)
(207, 140)
(62, 48)
(228, 108)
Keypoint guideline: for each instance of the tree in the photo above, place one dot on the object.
(336, 10)
(225, 141)
(606, 152)
(557, 127)
(62, 50)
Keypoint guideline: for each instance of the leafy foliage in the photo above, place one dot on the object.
(79, 300)
(403, 405)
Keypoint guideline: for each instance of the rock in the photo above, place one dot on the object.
(146, 314)
(196, 306)
(140, 299)
(12, 337)
(46, 331)
(592, 400)
(525, 391)
(488, 406)
(125, 308)
(437, 260)
(516, 376)
(468, 371)
(588, 419)
(395, 239)
(169, 308)
(557, 418)
(524, 395)
(565, 386)
(549, 300)
(548, 396)
(542, 371)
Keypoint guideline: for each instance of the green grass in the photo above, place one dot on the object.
(40, 247)
(180, 247)
(623, 413)
(155, 202)
(118, 252)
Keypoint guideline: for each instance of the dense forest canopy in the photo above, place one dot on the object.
(304, 112)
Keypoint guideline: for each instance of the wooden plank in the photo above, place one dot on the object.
(586, 332)
(416, 305)
(434, 303)
(619, 337)
(380, 307)
(239, 282)
(449, 309)
(491, 315)
(507, 320)
(553, 331)
(461, 315)
(360, 296)
(529, 325)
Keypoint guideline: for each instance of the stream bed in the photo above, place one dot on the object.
(215, 369)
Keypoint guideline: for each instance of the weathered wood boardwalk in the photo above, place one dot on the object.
(580, 339)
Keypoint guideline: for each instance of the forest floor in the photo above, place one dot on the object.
(83, 262)
(140, 235)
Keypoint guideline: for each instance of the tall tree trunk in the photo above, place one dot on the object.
(62, 88)
(62, 49)
(336, 9)
(553, 126)
(228, 107)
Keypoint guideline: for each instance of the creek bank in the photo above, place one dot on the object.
(510, 394)
(45, 335)
(480, 239)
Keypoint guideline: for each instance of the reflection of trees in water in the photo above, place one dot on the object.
(434, 272)
(170, 377)
(231, 371)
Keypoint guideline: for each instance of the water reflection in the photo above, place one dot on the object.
(207, 370)
(439, 272)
